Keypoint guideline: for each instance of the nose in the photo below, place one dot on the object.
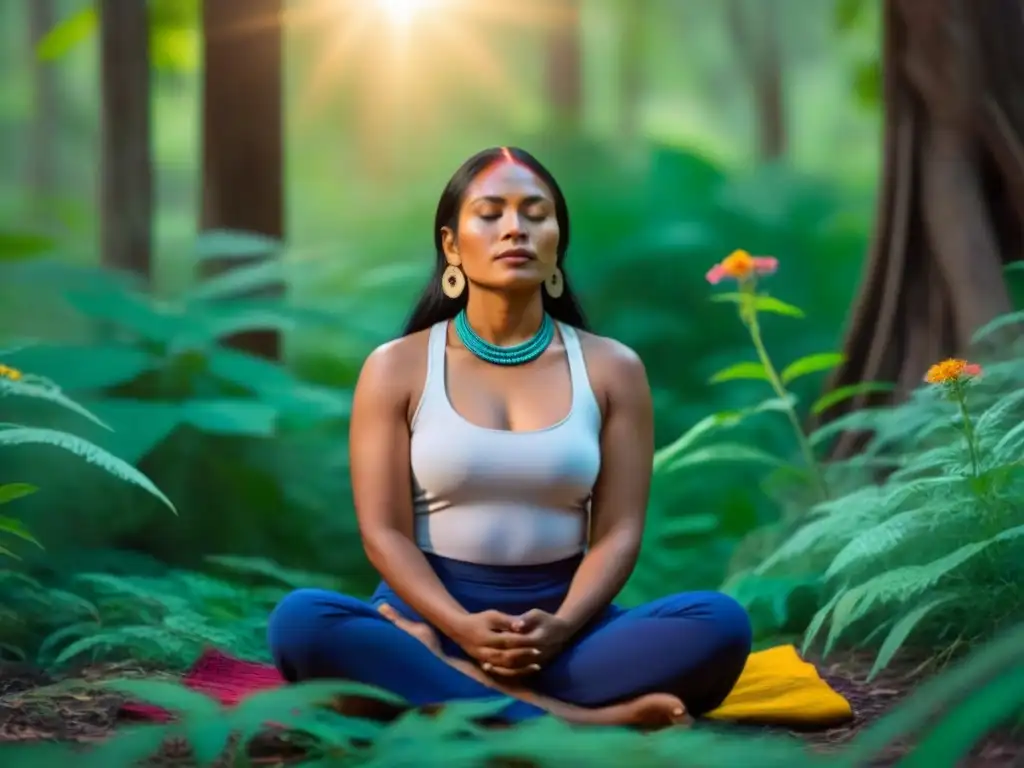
(512, 228)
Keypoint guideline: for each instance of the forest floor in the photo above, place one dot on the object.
(89, 716)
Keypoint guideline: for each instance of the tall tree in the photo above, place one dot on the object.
(950, 209)
(126, 168)
(632, 38)
(565, 65)
(41, 172)
(243, 134)
(756, 36)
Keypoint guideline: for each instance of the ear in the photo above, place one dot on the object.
(450, 246)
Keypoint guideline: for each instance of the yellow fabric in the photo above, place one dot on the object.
(777, 687)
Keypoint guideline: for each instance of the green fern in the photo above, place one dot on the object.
(38, 388)
(892, 549)
(13, 435)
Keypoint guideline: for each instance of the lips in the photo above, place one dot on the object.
(517, 254)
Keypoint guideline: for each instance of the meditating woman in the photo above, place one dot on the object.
(501, 463)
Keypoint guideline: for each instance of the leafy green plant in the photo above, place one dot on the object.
(745, 270)
(13, 383)
(945, 718)
(933, 551)
(10, 526)
(165, 617)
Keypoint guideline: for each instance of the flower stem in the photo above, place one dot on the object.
(748, 314)
(972, 447)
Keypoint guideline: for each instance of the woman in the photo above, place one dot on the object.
(501, 462)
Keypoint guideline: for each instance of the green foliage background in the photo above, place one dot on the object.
(253, 455)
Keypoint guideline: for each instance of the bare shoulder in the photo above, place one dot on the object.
(395, 369)
(615, 370)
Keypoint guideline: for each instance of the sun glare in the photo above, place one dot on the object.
(403, 12)
(412, 52)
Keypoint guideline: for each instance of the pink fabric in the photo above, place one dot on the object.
(222, 677)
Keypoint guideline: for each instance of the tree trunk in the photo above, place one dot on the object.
(126, 197)
(565, 67)
(632, 31)
(951, 206)
(41, 173)
(243, 135)
(755, 33)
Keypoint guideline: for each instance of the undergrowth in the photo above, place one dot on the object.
(944, 717)
(164, 618)
(919, 537)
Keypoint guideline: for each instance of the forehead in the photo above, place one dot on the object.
(506, 179)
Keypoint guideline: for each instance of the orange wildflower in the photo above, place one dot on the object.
(952, 371)
(6, 372)
(740, 265)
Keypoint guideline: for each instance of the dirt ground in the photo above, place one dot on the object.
(92, 716)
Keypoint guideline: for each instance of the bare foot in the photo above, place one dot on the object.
(422, 632)
(654, 710)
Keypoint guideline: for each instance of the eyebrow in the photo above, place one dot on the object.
(498, 199)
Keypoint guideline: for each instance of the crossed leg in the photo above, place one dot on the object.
(693, 645)
(319, 634)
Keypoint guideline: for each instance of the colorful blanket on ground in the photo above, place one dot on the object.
(776, 687)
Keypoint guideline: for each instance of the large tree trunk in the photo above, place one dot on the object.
(243, 134)
(756, 36)
(126, 198)
(565, 67)
(41, 173)
(951, 206)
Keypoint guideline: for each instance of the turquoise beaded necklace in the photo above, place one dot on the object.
(529, 350)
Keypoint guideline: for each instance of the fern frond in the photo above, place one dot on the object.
(90, 452)
(40, 389)
(880, 540)
(905, 584)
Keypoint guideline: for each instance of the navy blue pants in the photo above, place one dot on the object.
(692, 644)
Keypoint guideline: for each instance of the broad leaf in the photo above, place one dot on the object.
(76, 28)
(747, 370)
(85, 367)
(815, 363)
(17, 246)
(234, 244)
(726, 453)
(12, 491)
(760, 303)
(17, 529)
(231, 417)
(840, 394)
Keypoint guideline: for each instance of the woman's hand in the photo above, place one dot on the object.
(488, 637)
(542, 631)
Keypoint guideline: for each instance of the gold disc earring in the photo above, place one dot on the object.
(453, 282)
(554, 284)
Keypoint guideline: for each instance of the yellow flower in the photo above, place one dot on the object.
(952, 371)
(7, 372)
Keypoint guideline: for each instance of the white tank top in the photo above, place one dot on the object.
(498, 497)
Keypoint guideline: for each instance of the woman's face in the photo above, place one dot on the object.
(508, 234)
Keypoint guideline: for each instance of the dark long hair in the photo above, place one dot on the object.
(433, 306)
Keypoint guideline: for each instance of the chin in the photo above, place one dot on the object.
(516, 280)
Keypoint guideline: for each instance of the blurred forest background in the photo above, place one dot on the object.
(203, 235)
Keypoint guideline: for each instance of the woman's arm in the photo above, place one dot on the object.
(381, 485)
(619, 503)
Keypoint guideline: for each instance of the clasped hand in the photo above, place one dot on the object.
(511, 646)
